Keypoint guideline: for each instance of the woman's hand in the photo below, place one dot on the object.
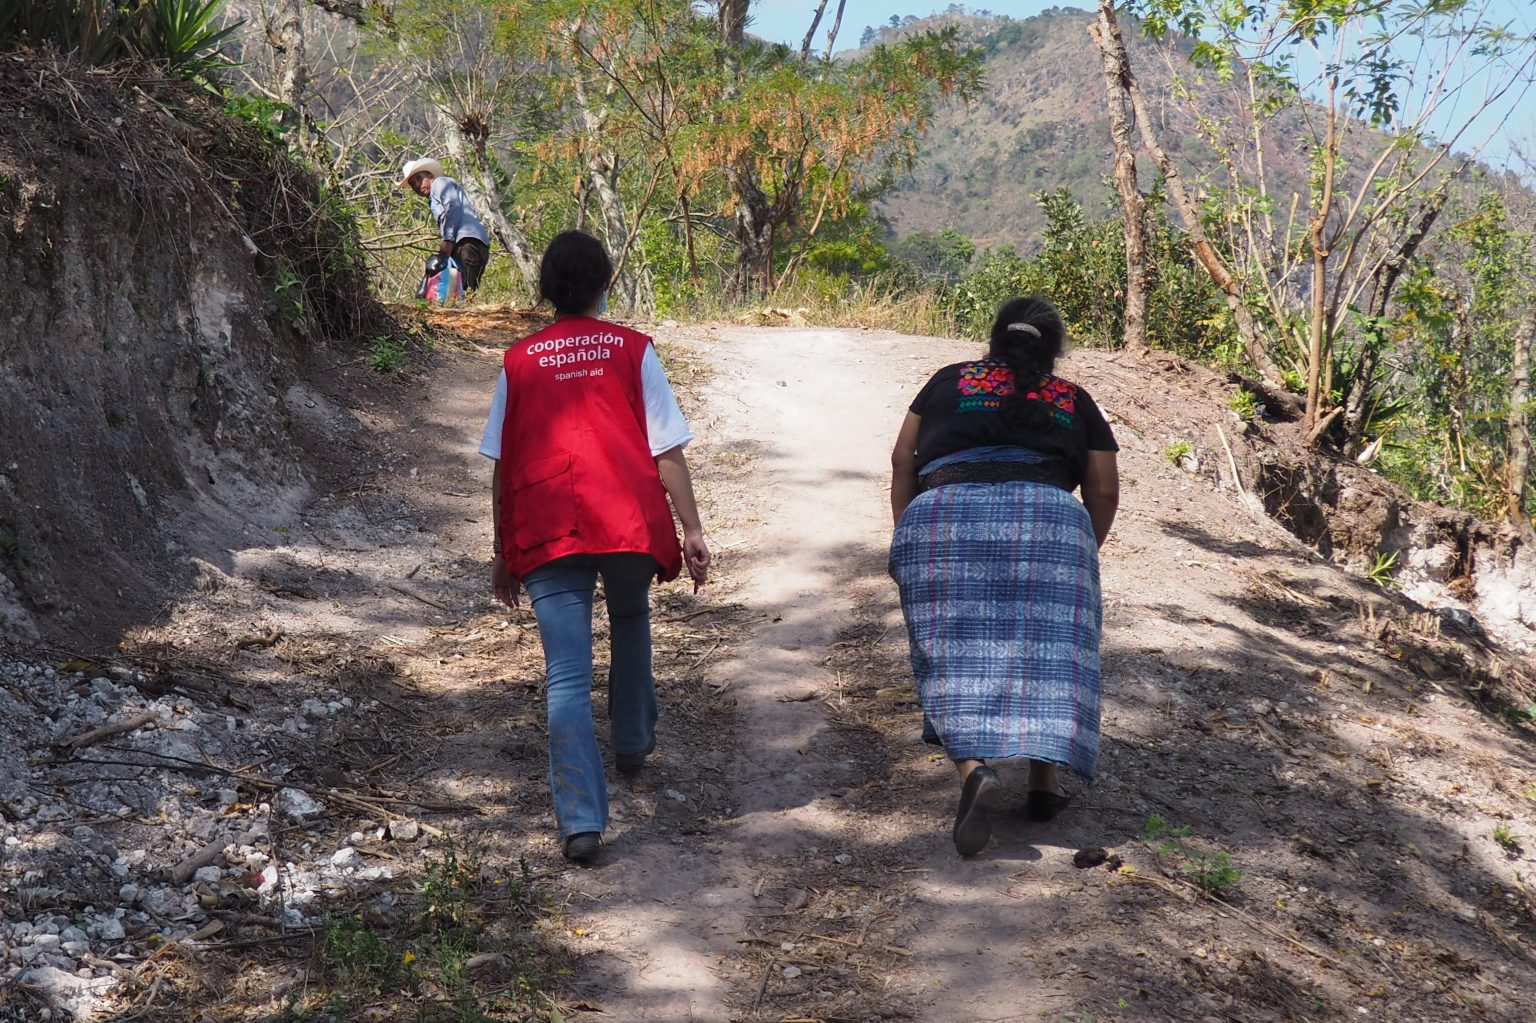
(696, 556)
(503, 585)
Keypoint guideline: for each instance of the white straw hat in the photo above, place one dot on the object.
(415, 167)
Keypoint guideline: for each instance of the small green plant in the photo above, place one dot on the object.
(1380, 571)
(1212, 873)
(289, 292)
(1506, 838)
(1244, 402)
(452, 880)
(386, 354)
(268, 115)
(1178, 451)
(363, 959)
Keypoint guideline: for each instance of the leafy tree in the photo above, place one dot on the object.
(1353, 87)
(796, 140)
(946, 255)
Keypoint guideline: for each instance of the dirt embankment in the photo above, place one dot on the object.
(166, 272)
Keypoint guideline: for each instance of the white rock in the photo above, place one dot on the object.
(84, 997)
(297, 805)
(347, 858)
(129, 893)
(212, 875)
(673, 794)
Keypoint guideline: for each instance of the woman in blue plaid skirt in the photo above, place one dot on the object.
(998, 563)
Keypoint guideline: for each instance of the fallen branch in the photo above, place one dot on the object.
(1248, 500)
(95, 735)
(182, 872)
(762, 988)
(401, 588)
(265, 641)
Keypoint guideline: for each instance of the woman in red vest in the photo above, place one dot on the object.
(588, 444)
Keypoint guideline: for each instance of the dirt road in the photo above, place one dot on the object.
(829, 888)
(1298, 785)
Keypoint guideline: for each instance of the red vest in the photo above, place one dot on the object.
(577, 475)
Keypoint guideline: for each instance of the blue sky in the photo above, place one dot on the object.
(786, 21)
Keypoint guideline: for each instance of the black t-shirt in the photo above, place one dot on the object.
(961, 407)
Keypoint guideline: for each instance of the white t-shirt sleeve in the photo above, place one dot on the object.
(490, 441)
(665, 426)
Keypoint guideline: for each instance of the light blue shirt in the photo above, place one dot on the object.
(455, 217)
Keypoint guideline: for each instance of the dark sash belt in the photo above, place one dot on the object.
(1052, 472)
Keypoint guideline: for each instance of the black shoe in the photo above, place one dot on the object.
(581, 848)
(1041, 806)
(630, 764)
(973, 821)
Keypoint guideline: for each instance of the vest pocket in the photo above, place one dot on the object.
(543, 502)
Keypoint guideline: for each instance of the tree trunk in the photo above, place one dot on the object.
(633, 286)
(1383, 283)
(293, 79)
(752, 217)
(733, 22)
(1320, 343)
(469, 152)
(1134, 206)
(810, 33)
(1189, 213)
(837, 23)
(1519, 469)
(754, 226)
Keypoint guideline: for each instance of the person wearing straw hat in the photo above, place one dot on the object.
(464, 237)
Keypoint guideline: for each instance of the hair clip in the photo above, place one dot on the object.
(1025, 328)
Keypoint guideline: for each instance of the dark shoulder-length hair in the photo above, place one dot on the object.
(574, 272)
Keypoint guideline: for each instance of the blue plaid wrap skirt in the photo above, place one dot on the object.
(1000, 590)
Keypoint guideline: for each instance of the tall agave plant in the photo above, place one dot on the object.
(184, 36)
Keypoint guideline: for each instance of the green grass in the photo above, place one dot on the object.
(1244, 402)
(1506, 838)
(458, 951)
(1178, 451)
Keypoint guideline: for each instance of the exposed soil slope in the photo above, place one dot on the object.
(167, 270)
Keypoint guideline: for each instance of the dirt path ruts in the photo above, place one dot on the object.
(786, 855)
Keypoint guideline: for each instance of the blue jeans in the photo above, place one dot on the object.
(561, 592)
